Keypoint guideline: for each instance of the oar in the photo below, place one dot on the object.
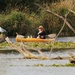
(51, 36)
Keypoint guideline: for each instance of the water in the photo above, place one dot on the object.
(59, 39)
(14, 64)
(66, 39)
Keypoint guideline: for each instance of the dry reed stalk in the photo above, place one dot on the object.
(28, 54)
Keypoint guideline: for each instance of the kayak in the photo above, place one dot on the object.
(33, 40)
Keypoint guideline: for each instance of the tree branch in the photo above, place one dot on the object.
(61, 17)
(71, 11)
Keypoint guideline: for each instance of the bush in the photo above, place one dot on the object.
(16, 22)
(26, 23)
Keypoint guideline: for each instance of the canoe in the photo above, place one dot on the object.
(33, 40)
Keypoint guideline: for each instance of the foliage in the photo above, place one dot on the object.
(21, 4)
(57, 45)
(16, 22)
(3, 45)
(47, 46)
(24, 17)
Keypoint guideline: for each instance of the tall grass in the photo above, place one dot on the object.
(26, 23)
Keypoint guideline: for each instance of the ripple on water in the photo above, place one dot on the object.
(14, 64)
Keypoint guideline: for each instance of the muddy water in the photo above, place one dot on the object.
(14, 64)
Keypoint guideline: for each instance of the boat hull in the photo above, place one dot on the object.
(33, 40)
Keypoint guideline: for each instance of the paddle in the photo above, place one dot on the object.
(51, 36)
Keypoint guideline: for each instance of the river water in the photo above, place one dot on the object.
(12, 63)
(59, 39)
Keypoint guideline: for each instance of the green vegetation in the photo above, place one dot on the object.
(57, 45)
(3, 45)
(24, 16)
(65, 65)
(53, 65)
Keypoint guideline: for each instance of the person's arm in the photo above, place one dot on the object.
(39, 35)
(42, 35)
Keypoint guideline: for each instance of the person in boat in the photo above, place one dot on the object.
(41, 34)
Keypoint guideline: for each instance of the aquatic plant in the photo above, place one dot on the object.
(57, 45)
(53, 65)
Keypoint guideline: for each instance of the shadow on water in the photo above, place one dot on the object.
(9, 51)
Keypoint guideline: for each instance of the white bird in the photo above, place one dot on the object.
(2, 30)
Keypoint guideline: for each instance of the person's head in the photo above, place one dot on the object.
(41, 28)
